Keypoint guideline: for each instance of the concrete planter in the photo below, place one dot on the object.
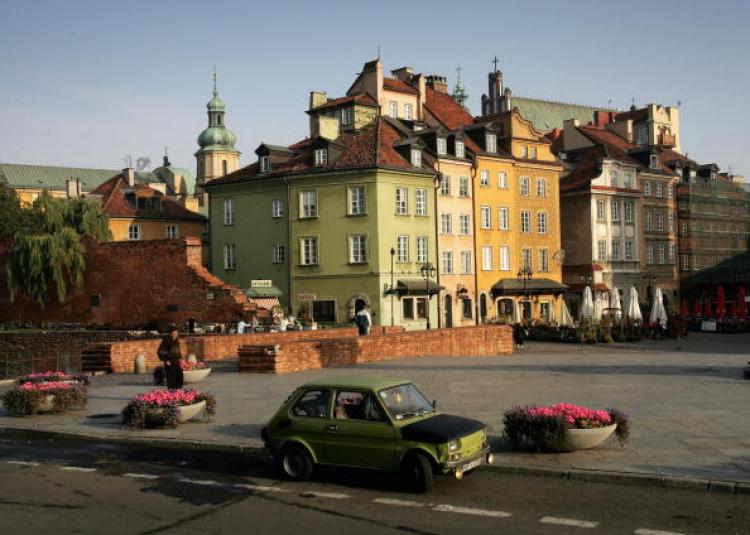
(584, 439)
(45, 404)
(195, 376)
(188, 412)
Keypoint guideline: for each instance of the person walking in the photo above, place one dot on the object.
(170, 354)
(519, 335)
(363, 319)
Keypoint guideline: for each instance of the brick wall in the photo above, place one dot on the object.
(141, 284)
(297, 355)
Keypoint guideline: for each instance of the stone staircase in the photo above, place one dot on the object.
(96, 358)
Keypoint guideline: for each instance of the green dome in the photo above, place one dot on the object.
(216, 135)
(216, 104)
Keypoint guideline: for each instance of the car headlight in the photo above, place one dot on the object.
(454, 445)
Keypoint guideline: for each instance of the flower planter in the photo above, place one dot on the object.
(44, 404)
(194, 376)
(584, 439)
(188, 412)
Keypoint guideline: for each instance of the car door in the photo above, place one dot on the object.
(309, 418)
(364, 435)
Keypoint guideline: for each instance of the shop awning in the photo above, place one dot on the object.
(533, 287)
(418, 287)
(263, 291)
(267, 303)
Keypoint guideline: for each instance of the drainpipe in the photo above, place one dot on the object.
(289, 239)
(473, 175)
(435, 187)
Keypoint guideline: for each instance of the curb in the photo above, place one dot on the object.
(258, 453)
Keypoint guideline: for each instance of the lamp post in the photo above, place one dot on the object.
(393, 290)
(524, 275)
(428, 271)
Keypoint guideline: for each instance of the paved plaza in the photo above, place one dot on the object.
(687, 401)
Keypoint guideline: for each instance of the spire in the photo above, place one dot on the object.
(166, 158)
(459, 92)
(216, 91)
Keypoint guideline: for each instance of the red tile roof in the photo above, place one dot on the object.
(588, 168)
(615, 146)
(446, 110)
(393, 84)
(633, 115)
(361, 98)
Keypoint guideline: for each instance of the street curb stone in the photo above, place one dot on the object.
(258, 453)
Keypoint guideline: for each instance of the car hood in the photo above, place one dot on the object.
(441, 428)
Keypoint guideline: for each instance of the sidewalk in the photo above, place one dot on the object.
(688, 404)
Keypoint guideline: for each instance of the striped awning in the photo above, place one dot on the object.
(265, 302)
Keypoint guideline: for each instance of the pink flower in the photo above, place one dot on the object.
(162, 398)
(45, 386)
(574, 415)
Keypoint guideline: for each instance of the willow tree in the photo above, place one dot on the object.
(48, 253)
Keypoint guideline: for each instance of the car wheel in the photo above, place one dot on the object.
(295, 463)
(418, 472)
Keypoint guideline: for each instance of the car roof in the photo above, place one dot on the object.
(371, 382)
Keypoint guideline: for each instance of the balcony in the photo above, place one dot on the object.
(667, 140)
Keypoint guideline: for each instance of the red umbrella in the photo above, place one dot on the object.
(741, 304)
(697, 308)
(721, 306)
(707, 312)
(685, 311)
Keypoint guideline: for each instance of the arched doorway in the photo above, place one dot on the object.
(356, 303)
(448, 311)
(482, 308)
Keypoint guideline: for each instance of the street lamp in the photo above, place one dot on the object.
(524, 275)
(428, 271)
(393, 290)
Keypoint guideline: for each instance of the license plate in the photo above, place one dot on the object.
(472, 464)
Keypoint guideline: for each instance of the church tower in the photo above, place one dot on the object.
(498, 99)
(216, 156)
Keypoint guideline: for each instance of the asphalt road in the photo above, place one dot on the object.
(58, 487)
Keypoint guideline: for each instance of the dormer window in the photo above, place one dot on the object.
(654, 161)
(393, 109)
(442, 146)
(408, 112)
(460, 149)
(491, 143)
(347, 116)
(416, 158)
(321, 157)
(265, 164)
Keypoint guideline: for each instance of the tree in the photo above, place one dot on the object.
(12, 216)
(47, 251)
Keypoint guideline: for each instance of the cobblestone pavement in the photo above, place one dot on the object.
(687, 401)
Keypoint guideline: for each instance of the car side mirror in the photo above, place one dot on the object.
(434, 404)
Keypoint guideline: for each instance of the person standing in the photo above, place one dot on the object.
(363, 319)
(170, 354)
(519, 335)
(242, 326)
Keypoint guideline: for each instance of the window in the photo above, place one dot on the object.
(616, 250)
(504, 258)
(312, 404)
(265, 164)
(446, 223)
(544, 309)
(464, 223)
(224, 167)
(442, 146)
(503, 217)
(525, 151)
(402, 201)
(321, 157)
(525, 186)
(485, 220)
(543, 260)
(658, 189)
(347, 116)
(229, 211)
(601, 211)
(526, 258)
(685, 262)
(277, 208)
(659, 221)
(602, 250)
(615, 210)
(421, 201)
(171, 232)
(484, 178)
(661, 253)
(309, 204)
(134, 232)
(541, 187)
(416, 157)
(502, 180)
(628, 180)
(407, 304)
(628, 212)
(393, 108)
(402, 249)
(357, 200)
(324, 311)
(447, 257)
(408, 112)
(408, 307)
(649, 224)
(463, 186)
(541, 222)
(445, 185)
(650, 253)
(230, 256)
(421, 249)
(684, 229)
(460, 152)
(486, 258)
(491, 142)
(647, 189)
(309, 251)
(358, 249)
(466, 262)
(613, 181)
(670, 191)
(532, 153)
(654, 161)
(526, 222)
(629, 250)
(353, 405)
(671, 221)
(672, 253)
(279, 254)
(466, 308)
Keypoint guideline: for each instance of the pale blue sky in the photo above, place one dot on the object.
(82, 83)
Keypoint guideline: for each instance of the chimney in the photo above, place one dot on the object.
(73, 188)
(403, 74)
(317, 98)
(129, 174)
(438, 83)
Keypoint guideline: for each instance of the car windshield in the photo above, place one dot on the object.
(405, 401)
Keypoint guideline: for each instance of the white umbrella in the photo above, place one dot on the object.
(516, 312)
(566, 320)
(658, 312)
(551, 314)
(587, 306)
(614, 302)
(632, 308)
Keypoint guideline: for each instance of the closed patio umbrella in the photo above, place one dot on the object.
(721, 305)
(614, 302)
(516, 312)
(587, 307)
(566, 320)
(633, 309)
(658, 312)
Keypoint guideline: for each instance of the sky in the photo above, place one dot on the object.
(86, 83)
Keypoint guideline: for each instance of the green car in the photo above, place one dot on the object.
(372, 422)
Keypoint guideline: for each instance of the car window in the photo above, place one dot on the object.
(405, 401)
(313, 403)
(355, 405)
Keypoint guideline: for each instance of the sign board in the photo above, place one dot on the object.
(210, 296)
(306, 297)
(261, 283)
(708, 326)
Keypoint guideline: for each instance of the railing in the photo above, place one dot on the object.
(668, 140)
(12, 364)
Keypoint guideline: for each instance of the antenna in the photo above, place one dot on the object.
(378, 51)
